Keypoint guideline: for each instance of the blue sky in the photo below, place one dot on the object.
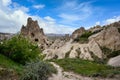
(58, 16)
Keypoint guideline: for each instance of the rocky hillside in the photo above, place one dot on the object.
(96, 44)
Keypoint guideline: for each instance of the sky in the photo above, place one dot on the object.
(57, 16)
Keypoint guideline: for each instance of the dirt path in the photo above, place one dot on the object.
(62, 75)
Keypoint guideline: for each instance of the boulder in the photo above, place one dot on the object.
(115, 61)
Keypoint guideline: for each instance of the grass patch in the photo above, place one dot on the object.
(87, 68)
(9, 64)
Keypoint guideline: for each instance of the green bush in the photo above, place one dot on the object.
(119, 30)
(19, 49)
(114, 54)
(86, 34)
(110, 53)
(37, 70)
(84, 37)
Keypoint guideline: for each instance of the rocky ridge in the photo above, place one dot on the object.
(107, 36)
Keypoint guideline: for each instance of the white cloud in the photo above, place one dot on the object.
(40, 6)
(97, 23)
(111, 20)
(12, 18)
(73, 11)
(69, 17)
(6, 2)
(48, 18)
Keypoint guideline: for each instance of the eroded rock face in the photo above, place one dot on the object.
(109, 37)
(96, 29)
(34, 33)
(74, 50)
(78, 32)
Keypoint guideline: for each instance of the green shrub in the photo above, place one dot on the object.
(86, 34)
(37, 70)
(114, 54)
(67, 54)
(78, 52)
(84, 37)
(110, 53)
(19, 49)
(119, 30)
(97, 59)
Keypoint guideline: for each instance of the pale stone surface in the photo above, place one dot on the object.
(75, 50)
(109, 38)
(78, 32)
(95, 48)
(35, 33)
(115, 61)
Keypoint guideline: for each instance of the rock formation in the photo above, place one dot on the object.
(108, 36)
(78, 32)
(95, 29)
(34, 33)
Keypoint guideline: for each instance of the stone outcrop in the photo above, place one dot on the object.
(74, 50)
(34, 33)
(115, 61)
(109, 37)
(78, 32)
(96, 29)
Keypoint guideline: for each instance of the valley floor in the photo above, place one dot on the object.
(64, 75)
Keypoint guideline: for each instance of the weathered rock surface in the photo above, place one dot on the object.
(109, 37)
(78, 32)
(34, 33)
(74, 50)
(115, 61)
(95, 29)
